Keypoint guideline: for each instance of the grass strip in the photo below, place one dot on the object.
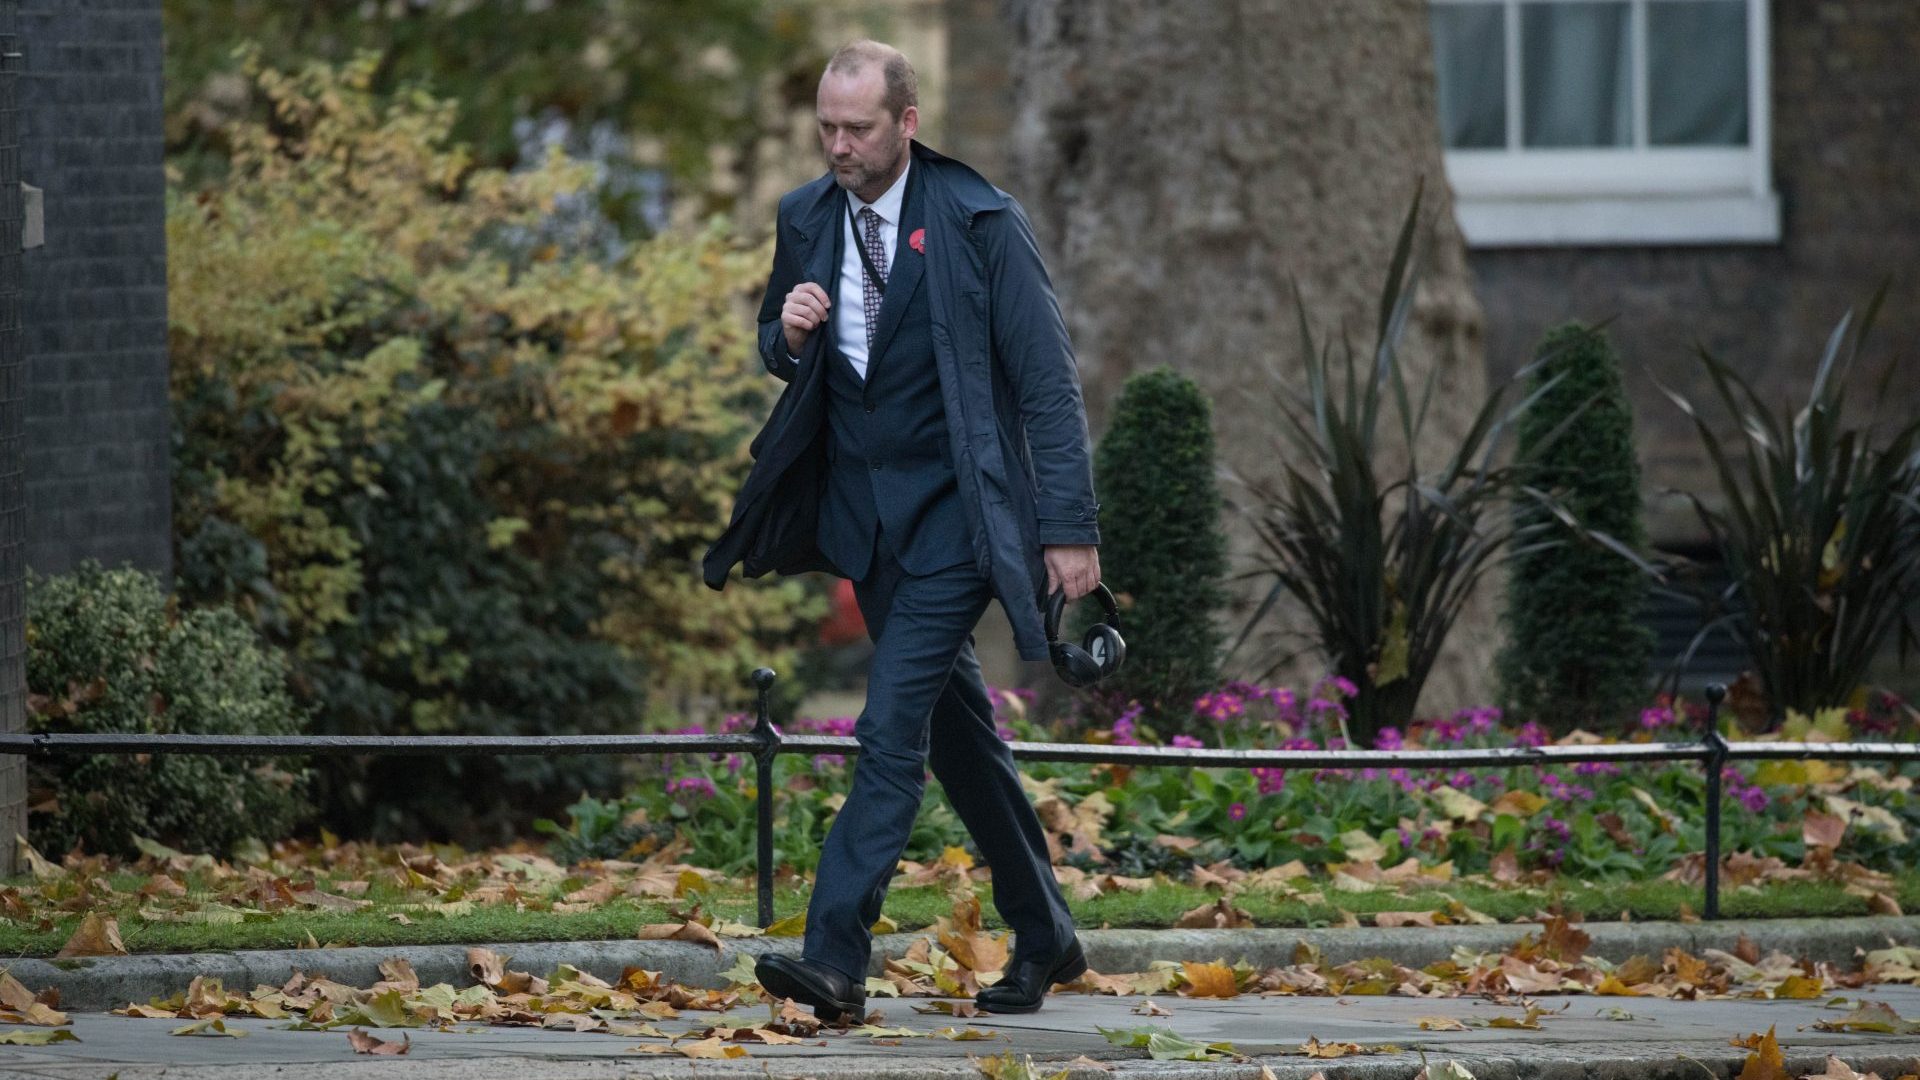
(916, 908)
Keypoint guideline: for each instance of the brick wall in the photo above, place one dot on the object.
(1846, 109)
(95, 295)
(13, 496)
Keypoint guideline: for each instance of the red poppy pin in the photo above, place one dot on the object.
(918, 241)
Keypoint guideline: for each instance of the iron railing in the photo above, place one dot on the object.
(764, 742)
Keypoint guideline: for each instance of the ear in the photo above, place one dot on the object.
(910, 121)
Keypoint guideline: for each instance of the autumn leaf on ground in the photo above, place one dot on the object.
(1873, 1016)
(97, 936)
(703, 1048)
(1219, 915)
(211, 1026)
(1008, 1067)
(1765, 1062)
(1839, 1070)
(1439, 1023)
(1314, 1048)
(1446, 1070)
(1150, 1008)
(961, 1009)
(684, 931)
(364, 1043)
(39, 1038)
(1210, 980)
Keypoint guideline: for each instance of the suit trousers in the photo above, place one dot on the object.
(927, 704)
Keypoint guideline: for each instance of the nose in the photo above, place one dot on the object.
(841, 144)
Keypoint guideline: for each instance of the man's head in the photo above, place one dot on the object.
(868, 111)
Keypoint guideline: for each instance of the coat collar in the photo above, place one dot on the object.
(946, 186)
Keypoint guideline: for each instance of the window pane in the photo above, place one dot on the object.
(1576, 72)
(1697, 72)
(1470, 66)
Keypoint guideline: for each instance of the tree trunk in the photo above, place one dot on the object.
(1185, 164)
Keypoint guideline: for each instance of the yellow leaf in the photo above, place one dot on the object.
(1210, 980)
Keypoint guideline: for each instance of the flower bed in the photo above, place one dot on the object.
(1599, 821)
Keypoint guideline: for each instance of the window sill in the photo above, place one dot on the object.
(1636, 220)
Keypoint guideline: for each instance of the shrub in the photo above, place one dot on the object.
(1161, 548)
(463, 473)
(1381, 556)
(107, 651)
(1576, 652)
(1819, 527)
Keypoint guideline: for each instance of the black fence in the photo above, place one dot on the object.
(764, 742)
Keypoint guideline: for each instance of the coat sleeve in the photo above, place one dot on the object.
(772, 338)
(1030, 339)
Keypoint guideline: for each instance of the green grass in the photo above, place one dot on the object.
(916, 908)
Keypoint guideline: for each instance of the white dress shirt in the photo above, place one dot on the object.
(849, 310)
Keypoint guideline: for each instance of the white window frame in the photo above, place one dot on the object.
(1639, 195)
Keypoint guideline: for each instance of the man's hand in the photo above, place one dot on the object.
(1074, 566)
(806, 308)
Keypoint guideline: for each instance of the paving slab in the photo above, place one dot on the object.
(1580, 1042)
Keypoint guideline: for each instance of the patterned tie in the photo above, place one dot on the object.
(878, 252)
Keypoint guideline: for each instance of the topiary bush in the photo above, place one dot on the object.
(108, 651)
(1162, 551)
(1576, 650)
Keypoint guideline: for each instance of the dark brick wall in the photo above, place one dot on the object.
(13, 496)
(1846, 162)
(95, 296)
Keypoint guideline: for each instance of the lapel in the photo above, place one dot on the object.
(903, 277)
(822, 229)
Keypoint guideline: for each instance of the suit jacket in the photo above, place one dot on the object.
(1009, 386)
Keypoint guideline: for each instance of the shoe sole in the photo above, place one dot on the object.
(1068, 971)
(826, 1009)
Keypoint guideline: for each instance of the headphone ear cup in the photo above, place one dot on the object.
(1105, 647)
(1075, 667)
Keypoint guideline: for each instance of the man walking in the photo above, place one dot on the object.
(932, 447)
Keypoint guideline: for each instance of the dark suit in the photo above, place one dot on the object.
(891, 519)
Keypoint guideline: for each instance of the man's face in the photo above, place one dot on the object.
(863, 143)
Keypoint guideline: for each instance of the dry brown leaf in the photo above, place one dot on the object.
(96, 936)
(1219, 915)
(364, 1043)
(686, 931)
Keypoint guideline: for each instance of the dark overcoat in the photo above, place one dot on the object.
(1010, 390)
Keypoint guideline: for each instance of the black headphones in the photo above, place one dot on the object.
(1102, 650)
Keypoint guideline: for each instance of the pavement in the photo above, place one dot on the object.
(1583, 1042)
(1664, 1039)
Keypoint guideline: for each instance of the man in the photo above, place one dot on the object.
(931, 445)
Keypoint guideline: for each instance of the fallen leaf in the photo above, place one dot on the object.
(364, 1043)
(1210, 980)
(96, 936)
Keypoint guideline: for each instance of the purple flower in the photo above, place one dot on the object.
(1530, 734)
(1388, 738)
(1187, 742)
(1270, 781)
(1343, 687)
(1596, 768)
(822, 761)
(1237, 812)
(1560, 830)
(1461, 780)
(1754, 799)
(692, 785)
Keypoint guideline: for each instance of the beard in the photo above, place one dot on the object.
(865, 172)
